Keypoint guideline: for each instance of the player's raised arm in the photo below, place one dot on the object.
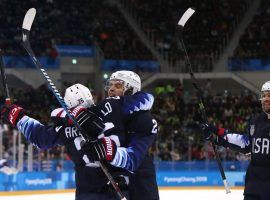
(225, 138)
(40, 135)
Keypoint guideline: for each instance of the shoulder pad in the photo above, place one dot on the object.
(137, 102)
(58, 112)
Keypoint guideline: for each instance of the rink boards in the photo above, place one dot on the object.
(29, 181)
(40, 192)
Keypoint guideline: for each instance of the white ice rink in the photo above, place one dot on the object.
(181, 194)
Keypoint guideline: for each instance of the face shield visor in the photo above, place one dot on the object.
(115, 87)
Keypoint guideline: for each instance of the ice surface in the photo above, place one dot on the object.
(165, 194)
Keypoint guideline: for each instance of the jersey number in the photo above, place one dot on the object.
(155, 126)
(108, 109)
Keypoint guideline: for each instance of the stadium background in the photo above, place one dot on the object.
(84, 41)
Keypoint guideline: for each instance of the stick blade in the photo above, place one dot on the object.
(29, 18)
(185, 17)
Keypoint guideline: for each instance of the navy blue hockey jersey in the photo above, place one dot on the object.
(255, 141)
(115, 112)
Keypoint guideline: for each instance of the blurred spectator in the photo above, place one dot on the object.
(255, 43)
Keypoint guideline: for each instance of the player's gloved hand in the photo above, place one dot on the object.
(11, 114)
(209, 130)
(100, 150)
(88, 121)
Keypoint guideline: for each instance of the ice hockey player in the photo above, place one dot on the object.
(91, 183)
(132, 154)
(143, 183)
(256, 141)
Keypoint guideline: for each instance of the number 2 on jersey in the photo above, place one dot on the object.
(155, 126)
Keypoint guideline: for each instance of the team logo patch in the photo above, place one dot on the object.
(252, 129)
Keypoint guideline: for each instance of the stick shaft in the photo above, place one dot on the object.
(203, 113)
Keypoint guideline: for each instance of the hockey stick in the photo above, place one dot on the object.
(189, 12)
(4, 80)
(26, 27)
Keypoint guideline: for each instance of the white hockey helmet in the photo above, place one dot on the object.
(265, 98)
(78, 94)
(266, 87)
(132, 81)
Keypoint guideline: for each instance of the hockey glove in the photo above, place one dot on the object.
(87, 120)
(209, 130)
(100, 150)
(11, 114)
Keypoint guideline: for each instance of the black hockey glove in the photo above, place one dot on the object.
(209, 130)
(103, 149)
(88, 121)
(11, 114)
